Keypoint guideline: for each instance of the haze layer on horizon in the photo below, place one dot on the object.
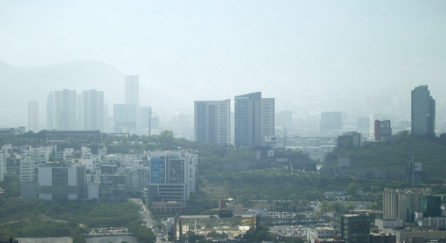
(210, 50)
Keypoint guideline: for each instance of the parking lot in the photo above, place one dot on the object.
(108, 231)
(289, 230)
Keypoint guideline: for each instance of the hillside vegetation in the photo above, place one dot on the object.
(392, 155)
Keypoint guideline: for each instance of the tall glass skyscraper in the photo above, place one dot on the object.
(423, 111)
(254, 119)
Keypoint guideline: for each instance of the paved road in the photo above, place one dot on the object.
(146, 216)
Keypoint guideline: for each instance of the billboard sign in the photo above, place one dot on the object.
(270, 139)
(418, 167)
(270, 153)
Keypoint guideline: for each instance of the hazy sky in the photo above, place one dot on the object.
(218, 49)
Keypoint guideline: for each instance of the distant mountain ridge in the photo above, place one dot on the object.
(34, 83)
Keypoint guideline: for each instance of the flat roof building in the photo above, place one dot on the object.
(212, 123)
(254, 119)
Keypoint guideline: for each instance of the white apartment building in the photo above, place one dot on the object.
(102, 152)
(93, 163)
(212, 123)
(68, 154)
(86, 152)
(40, 155)
(25, 151)
(27, 170)
(320, 233)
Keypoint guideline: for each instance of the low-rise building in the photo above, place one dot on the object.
(113, 187)
(353, 228)
(382, 238)
(169, 207)
(320, 233)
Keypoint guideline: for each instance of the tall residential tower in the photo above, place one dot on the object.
(50, 111)
(33, 116)
(92, 110)
(212, 122)
(132, 90)
(65, 110)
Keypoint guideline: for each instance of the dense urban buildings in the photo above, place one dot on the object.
(422, 111)
(212, 122)
(331, 121)
(92, 110)
(383, 130)
(254, 119)
(33, 116)
(402, 204)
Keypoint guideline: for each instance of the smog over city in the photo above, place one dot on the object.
(263, 121)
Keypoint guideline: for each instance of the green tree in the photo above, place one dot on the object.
(349, 207)
(352, 189)
(166, 136)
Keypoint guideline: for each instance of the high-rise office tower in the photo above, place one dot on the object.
(423, 111)
(254, 119)
(50, 111)
(124, 116)
(212, 122)
(132, 90)
(33, 116)
(92, 110)
(331, 121)
(65, 110)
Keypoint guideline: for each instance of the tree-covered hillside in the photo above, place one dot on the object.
(392, 155)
